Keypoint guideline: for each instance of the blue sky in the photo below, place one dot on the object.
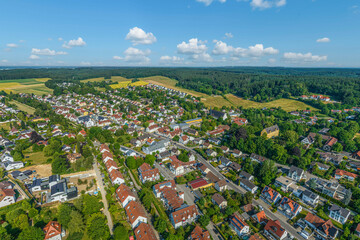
(297, 33)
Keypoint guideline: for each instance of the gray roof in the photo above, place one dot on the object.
(247, 183)
(310, 194)
(343, 211)
(58, 188)
(298, 171)
(245, 175)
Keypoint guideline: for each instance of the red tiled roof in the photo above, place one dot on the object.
(341, 172)
(144, 232)
(275, 228)
(134, 210)
(199, 234)
(114, 174)
(52, 229)
(123, 192)
(184, 213)
(198, 183)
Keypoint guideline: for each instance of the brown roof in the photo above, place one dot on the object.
(275, 228)
(123, 192)
(256, 236)
(199, 234)
(144, 232)
(52, 229)
(261, 216)
(144, 167)
(248, 207)
(212, 177)
(134, 210)
(150, 172)
(218, 198)
(110, 163)
(6, 193)
(221, 183)
(172, 198)
(358, 228)
(114, 174)
(161, 185)
(104, 147)
(326, 226)
(184, 213)
(107, 154)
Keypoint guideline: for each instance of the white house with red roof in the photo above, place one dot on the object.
(53, 231)
(7, 197)
(239, 225)
(125, 195)
(116, 177)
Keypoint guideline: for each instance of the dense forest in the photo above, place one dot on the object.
(259, 84)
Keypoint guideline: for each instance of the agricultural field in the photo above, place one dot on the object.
(100, 79)
(128, 83)
(230, 99)
(32, 85)
(23, 107)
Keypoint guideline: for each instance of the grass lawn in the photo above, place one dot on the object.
(5, 126)
(36, 158)
(23, 107)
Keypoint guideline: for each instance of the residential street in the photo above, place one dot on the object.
(103, 195)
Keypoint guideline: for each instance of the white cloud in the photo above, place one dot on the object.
(171, 59)
(4, 61)
(137, 55)
(34, 57)
(264, 4)
(46, 52)
(74, 43)
(194, 46)
(196, 49)
(256, 51)
(303, 57)
(118, 58)
(83, 63)
(272, 60)
(12, 45)
(229, 35)
(208, 2)
(60, 39)
(323, 40)
(138, 36)
(221, 48)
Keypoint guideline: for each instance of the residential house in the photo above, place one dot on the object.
(269, 195)
(310, 198)
(339, 174)
(249, 186)
(323, 229)
(136, 214)
(284, 182)
(296, 173)
(260, 217)
(116, 177)
(246, 176)
(146, 173)
(53, 231)
(217, 114)
(271, 132)
(239, 225)
(125, 195)
(329, 144)
(219, 200)
(289, 207)
(257, 158)
(183, 216)
(221, 185)
(204, 169)
(7, 197)
(199, 234)
(235, 166)
(274, 230)
(157, 188)
(339, 214)
(144, 232)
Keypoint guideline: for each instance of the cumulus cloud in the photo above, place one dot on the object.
(60, 39)
(196, 49)
(12, 45)
(229, 35)
(221, 48)
(135, 55)
(194, 46)
(255, 51)
(74, 43)
(303, 57)
(208, 2)
(138, 36)
(171, 59)
(33, 57)
(272, 60)
(46, 52)
(264, 4)
(323, 40)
